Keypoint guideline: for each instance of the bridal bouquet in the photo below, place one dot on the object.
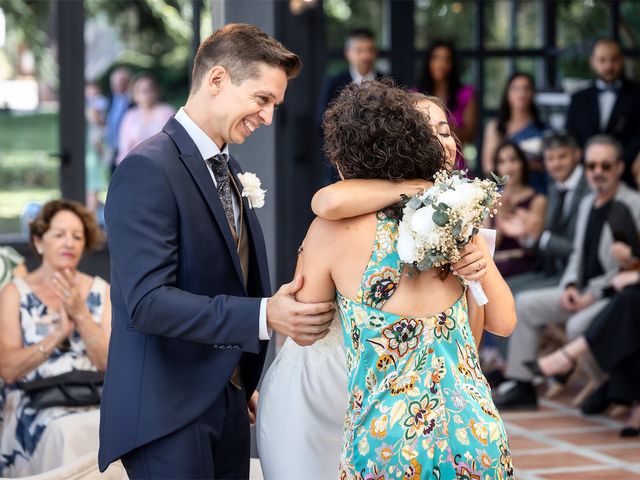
(439, 222)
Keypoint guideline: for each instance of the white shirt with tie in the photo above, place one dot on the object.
(208, 149)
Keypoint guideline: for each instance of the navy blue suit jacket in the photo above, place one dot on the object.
(583, 120)
(182, 316)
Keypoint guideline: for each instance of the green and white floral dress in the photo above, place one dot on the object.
(419, 406)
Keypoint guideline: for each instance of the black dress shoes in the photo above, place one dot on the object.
(629, 432)
(522, 395)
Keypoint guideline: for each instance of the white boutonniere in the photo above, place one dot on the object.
(251, 189)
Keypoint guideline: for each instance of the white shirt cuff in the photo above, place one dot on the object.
(544, 239)
(264, 333)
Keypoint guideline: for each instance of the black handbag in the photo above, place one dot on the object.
(77, 388)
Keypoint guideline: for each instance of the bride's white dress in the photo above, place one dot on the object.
(302, 404)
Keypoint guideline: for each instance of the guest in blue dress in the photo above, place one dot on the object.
(518, 120)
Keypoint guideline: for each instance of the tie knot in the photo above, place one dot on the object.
(220, 158)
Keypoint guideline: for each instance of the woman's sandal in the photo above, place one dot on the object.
(561, 378)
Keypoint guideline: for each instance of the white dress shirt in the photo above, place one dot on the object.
(606, 100)
(358, 79)
(208, 149)
(569, 185)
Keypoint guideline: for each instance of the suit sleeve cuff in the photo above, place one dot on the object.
(264, 333)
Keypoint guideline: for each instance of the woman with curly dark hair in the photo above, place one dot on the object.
(416, 402)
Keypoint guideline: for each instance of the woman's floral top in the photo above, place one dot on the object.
(419, 406)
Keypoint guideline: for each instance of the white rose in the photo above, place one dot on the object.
(251, 189)
(406, 244)
(422, 221)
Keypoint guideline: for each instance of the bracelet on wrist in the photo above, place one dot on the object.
(40, 347)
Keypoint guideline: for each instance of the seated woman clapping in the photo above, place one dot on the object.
(53, 321)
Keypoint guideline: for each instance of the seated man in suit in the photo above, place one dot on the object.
(361, 53)
(581, 293)
(561, 156)
(611, 105)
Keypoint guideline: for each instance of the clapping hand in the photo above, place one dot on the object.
(70, 298)
(305, 323)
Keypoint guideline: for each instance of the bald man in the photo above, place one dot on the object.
(610, 105)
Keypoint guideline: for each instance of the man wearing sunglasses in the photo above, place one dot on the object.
(585, 281)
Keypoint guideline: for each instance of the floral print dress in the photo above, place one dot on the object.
(22, 428)
(419, 405)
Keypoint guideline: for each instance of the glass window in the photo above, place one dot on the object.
(579, 22)
(496, 74)
(529, 22)
(502, 32)
(498, 28)
(629, 27)
(444, 19)
(343, 15)
(29, 170)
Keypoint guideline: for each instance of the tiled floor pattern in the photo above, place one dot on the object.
(558, 443)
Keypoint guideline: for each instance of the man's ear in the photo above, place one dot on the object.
(215, 79)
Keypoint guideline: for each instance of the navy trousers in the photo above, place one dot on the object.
(214, 446)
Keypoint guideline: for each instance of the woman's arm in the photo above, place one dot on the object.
(314, 263)
(499, 315)
(489, 145)
(16, 360)
(467, 133)
(355, 197)
(535, 219)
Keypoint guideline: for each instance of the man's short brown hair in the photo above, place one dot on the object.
(240, 48)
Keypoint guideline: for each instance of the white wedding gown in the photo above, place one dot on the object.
(302, 404)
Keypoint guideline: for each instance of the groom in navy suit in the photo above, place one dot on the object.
(189, 275)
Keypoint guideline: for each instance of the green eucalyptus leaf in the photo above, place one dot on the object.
(414, 203)
(440, 218)
(457, 228)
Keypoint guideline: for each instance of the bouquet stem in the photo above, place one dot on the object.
(478, 293)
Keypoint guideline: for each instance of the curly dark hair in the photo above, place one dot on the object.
(375, 131)
(93, 236)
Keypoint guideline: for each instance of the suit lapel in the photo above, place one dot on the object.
(254, 230)
(193, 161)
(615, 117)
(593, 115)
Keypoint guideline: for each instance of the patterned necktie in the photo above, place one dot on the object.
(221, 172)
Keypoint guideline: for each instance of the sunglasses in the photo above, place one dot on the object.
(605, 166)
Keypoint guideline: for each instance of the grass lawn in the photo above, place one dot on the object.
(26, 140)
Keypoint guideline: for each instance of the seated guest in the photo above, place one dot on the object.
(55, 320)
(554, 245)
(580, 295)
(613, 340)
(519, 202)
(518, 120)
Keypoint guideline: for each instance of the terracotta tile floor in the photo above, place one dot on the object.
(556, 442)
